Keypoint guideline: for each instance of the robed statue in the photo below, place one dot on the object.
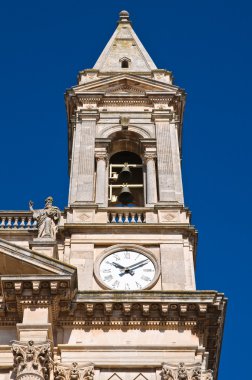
(47, 219)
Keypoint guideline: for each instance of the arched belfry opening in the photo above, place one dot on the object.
(126, 180)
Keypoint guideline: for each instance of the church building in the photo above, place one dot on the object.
(105, 289)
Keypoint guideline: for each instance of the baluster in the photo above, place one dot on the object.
(108, 217)
(2, 225)
(120, 216)
(113, 214)
(127, 216)
(134, 217)
(142, 218)
(28, 225)
(22, 224)
(9, 222)
(35, 223)
(15, 225)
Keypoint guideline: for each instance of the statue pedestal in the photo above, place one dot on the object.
(46, 246)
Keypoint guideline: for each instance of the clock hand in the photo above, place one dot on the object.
(131, 271)
(140, 262)
(118, 266)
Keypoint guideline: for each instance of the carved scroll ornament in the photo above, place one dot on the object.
(32, 361)
(185, 372)
(62, 372)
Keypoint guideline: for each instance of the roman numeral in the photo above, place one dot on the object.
(127, 255)
(115, 284)
(145, 278)
(148, 270)
(108, 278)
(139, 286)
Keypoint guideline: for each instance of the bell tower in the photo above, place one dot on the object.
(137, 313)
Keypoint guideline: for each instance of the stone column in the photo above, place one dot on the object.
(101, 161)
(151, 180)
(32, 361)
(168, 158)
(82, 167)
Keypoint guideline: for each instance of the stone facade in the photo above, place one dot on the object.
(61, 315)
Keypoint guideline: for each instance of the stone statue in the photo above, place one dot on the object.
(47, 219)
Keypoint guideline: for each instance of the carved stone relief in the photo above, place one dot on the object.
(62, 372)
(32, 361)
(184, 372)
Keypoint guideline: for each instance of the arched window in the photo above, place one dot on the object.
(125, 62)
(126, 180)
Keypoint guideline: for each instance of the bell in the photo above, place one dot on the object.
(125, 174)
(125, 195)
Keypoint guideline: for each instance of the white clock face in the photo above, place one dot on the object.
(127, 270)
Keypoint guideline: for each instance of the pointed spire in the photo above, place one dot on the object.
(124, 52)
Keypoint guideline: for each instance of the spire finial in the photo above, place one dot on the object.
(124, 17)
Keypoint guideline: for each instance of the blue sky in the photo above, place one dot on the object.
(207, 45)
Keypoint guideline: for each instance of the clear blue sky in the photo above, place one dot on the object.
(207, 45)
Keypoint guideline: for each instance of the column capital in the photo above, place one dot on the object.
(73, 372)
(92, 115)
(150, 156)
(159, 115)
(150, 153)
(101, 154)
(32, 360)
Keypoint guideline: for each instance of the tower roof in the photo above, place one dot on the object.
(124, 51)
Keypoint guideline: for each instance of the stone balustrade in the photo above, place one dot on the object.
(17, 220)
(127, 215)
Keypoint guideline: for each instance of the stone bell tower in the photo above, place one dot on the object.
(129, 232)
(116, 298)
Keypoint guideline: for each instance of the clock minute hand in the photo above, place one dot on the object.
(136, 264)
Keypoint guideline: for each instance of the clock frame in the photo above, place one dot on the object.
(119, 248)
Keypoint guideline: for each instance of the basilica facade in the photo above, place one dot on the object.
(105, 289)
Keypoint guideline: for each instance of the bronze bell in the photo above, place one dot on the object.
(125, 195)
(125, 174)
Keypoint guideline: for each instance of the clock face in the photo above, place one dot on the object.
(127, 270)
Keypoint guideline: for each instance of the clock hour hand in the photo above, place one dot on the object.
(118, 266)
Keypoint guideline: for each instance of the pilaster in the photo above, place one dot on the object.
(35, 325)
(168, 159)
(101, 185)
(151, 178)
(82, 169)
